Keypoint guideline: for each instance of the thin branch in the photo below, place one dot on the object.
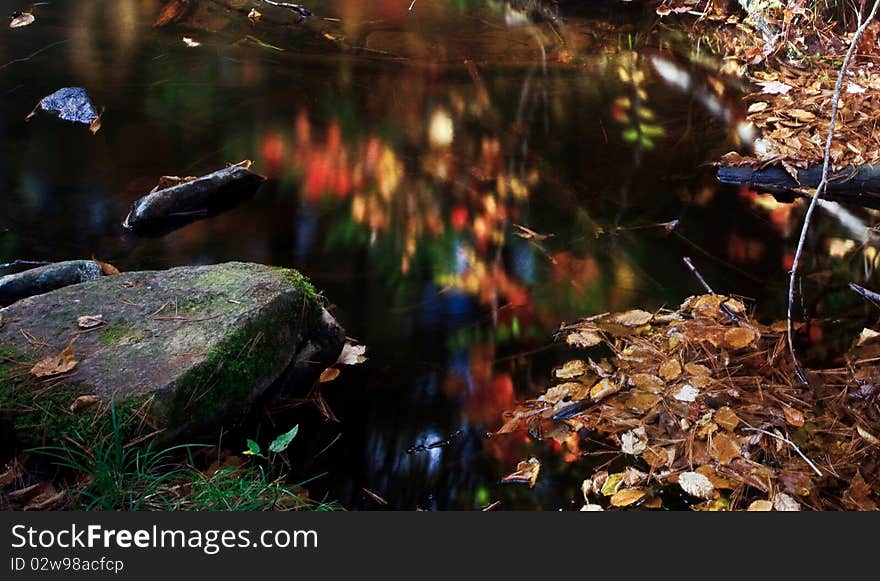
(823, 184)
(790, 443)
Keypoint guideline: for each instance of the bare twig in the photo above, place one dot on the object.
(823, 184)
(724, 308)
(790, 443)
(865, 293)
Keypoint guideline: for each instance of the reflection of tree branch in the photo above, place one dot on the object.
(32, 55)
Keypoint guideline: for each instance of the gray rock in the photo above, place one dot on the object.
(179, 349)
(43, 279)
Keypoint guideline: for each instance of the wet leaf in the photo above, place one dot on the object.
(329, 374)
(760, 506)
(634, 441)
(281, 443)
(686, 393)
(792, 416)
(612, 484)
(640, 402)
(85, 401)
(89, 321)
(352, 354)
(726, 418)
(526, 473)
(584, 338)
(627, 496)
(634, 318)
(739, 337)
(696, 484)
(56, 364)
(572, 369)
(20, 19)
(724, 448)
(603, 388)
(655, 458)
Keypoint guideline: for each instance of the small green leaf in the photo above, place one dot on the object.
(281, 443)
(253, 448)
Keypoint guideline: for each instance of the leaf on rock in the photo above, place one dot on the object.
(56, 364)
(352, 354)
(628, 496)
(526, 473)
(89, 321)
(106, 268)
(697, 484)
(20, 19)
(85, 401)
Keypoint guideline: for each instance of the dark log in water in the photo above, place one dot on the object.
(854, 185)
(176, 202)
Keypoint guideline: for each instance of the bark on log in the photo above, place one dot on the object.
(38, 281)
(854, 185)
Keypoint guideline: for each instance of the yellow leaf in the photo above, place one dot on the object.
(670, 369)
(739, 337)
(627, 496)
(329, 374)
(760, 506)
(634, 318)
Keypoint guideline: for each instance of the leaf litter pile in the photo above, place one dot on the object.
(703, 402)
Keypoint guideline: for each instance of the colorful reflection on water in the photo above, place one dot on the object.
(458, 178)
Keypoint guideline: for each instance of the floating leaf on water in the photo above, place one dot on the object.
(670, 369)
(85, 401)
(56, 364)
(603, 388)
(352, 354)
(20, 19)
(592, 508)
(697, 484)
(726, 418)
(190, 42)
(793, 416)
(687, 393)
(329, 374)
(572, 369)
(634, 318)
(526, 473)
(760, 506)
(739, 337)
(89, 321)
(634, 441)
(634, 478)
(784, 502)
(584, 338)
(70, 104)
(628, 496)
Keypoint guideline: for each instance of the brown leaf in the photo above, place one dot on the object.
(760, 506)
(172, 12)
(724, 448)
(670, 369)
(329, 374)
(647, 382)
(21, 19)
(572, 369)
(627, 496)
(106, 268)
(526, 473)
(792, 416)
(584, 338)
(634, 318)
(739, 337)
(603, 388)
(85, 401)
(655, 458)
(56, 364)
(726, 418)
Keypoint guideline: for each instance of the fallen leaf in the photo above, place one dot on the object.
(584, 338)
(190, 42)
(757, 107)
(89, 321)
(792, 416)
(654, 458)
(254, 15)
(687, 393)
(854, 89)
(572, 369)
(329, 374)
(698, 370)
(774, 88)
(800, 115)
(627, 496)
(172, 12)
(352, 354)
(56, 364)
(69, 104)
(634, 318)
(739, 337)
(526, 473)
(724, 448)
(784, 502)
(760, 506)
(85, 401)
(726, 418)
(592, 508)
(871, 438)
(867, 336)
(634, 441)
(612, 484)
(670, 369)
(697, 484)
(647, 382)
(20, 19)
(603, 388)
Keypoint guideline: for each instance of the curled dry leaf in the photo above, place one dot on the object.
(868, 436)
(627, 497)
(85, 401)
(56, 364)
(352, 354)
(106, 268)
(20, 19)
(89, 321)
(697, 484)
(774, 88)
(526, 473)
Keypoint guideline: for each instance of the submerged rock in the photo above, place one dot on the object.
(178, 349)
(43, 279)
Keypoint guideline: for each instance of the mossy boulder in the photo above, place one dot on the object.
(175, 349)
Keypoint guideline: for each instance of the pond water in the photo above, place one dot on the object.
(412, 157)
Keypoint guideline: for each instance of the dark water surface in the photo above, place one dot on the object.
(403, 148)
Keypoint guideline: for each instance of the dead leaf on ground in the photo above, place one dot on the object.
(584, 338)
(56, 364)
(740, 337)
(85, 401)
(628, 496)
(572, 369)
(255, 15)
(792, 416)
(760, 506)
(633, 318)
(89, 321)
(774, 88)
(697, 484)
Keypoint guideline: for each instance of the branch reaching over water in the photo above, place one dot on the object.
(823, 184)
